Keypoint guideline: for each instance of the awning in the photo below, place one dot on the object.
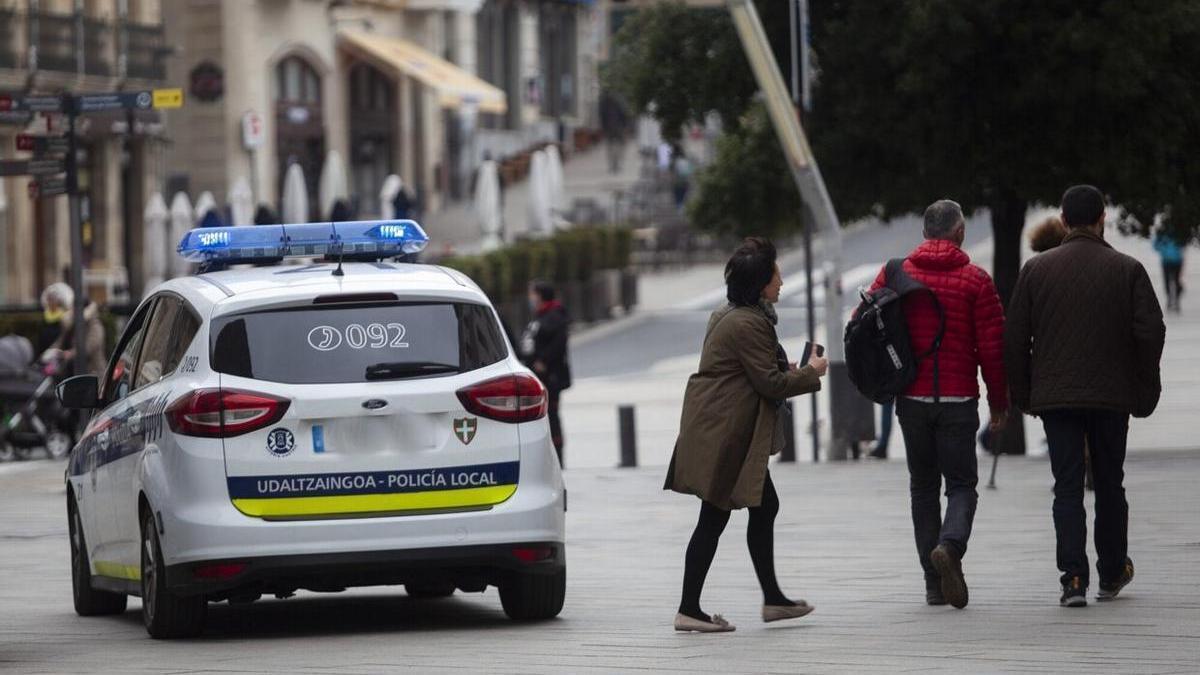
(455, 87)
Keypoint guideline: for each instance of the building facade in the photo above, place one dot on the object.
(80, 46)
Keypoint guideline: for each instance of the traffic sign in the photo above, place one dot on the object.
(54, 145)
(252, 130)
(30, 167)
(168, 98)
(47, 187)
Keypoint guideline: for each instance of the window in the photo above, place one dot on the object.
(357, 344)
(170, 331)
(297, 82)
(118, 382)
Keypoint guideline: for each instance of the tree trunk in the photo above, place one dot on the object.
(1008, 224)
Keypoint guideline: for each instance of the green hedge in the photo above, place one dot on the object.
(568, 256)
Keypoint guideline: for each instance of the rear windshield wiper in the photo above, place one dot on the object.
(392, 371)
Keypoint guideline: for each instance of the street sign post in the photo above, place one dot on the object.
(47, 184)
(42, 145)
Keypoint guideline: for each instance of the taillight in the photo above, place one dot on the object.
(220, 413)
(511, 398)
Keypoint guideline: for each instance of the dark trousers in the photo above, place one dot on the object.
(1172, 282)
(1104, 434)
(939, 439)
(556, 433)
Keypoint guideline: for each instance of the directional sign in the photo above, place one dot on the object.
(54, 145)
(9, 102)
(47, 187)
(168, 98)
(131, 100)
(30, 167)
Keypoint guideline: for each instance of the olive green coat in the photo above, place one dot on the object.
(727, 428)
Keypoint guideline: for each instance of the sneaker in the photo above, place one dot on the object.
(1074, 594)
(949, 568)
(1108, 591)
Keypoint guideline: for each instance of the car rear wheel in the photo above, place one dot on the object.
(429, 590)
(533, 597)
(88, 601)
(165, 614)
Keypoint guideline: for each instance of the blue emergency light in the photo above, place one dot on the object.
(355, 240)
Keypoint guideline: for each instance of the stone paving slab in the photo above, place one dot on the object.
(843, 542)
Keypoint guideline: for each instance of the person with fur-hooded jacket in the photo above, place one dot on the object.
(94, 356)
(1047, 235)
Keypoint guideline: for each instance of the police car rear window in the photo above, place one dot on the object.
(339, 344)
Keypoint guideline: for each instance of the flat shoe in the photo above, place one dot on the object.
(717, 625)
(780, 612)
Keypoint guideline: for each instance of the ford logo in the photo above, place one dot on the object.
(374, 404)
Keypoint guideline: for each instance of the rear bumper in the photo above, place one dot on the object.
(468, 567)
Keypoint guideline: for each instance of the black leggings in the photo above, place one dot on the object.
(760, 537)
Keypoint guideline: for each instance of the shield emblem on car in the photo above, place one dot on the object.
(464, 429)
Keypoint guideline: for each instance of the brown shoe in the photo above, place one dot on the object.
(718, 624)
(780, 612)
(949, 568)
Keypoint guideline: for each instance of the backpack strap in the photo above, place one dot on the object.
(896, 279)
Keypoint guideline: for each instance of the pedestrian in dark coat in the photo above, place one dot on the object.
(727, 431)
(1084, 339)
(544, 351)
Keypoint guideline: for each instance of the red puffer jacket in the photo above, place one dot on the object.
(974, 336)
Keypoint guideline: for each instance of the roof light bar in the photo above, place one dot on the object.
(258, 243)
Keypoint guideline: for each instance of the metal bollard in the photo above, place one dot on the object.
(788, 453)
(628, 436)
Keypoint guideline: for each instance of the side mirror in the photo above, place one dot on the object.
(81, 391)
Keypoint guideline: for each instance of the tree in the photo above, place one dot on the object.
(748, 189)
(679, 64)
(1005, 103)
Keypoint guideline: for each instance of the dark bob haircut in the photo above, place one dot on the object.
(1082, 205)
(544, 289)
(749, 270)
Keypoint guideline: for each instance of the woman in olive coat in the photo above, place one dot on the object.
(730, 427)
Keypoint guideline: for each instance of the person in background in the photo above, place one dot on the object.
(403, 205)
(729, 428)
(681, 176)
(1084, 338)
(886, 412)
(56, 304)
(95, 356)
(614, 125)
(939, 412)
(544, 351)
(265, 215)
(1171, 254)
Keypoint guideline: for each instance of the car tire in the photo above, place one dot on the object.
(165, 614)
(88, 601)
(534, 597)
(429, 591)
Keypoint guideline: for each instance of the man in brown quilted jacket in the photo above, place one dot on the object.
(1082, 346)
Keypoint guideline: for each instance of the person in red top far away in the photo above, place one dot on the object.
(939, 413)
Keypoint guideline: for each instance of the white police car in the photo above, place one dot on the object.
(274, 428)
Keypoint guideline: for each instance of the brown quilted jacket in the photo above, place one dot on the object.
(1084, 330)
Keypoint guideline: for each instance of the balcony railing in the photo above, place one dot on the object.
(99, 49)
(54, 36)
(74, 43)
(147, 51)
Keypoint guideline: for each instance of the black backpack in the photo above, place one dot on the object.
(879, 355)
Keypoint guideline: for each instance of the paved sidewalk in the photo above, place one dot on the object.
(843, 542)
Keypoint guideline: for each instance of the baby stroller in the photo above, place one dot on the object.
(30, 414)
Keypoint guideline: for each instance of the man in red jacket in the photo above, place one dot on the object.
(939, 413)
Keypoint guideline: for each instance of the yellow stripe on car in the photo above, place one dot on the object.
(374, 503)
(118, 571)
